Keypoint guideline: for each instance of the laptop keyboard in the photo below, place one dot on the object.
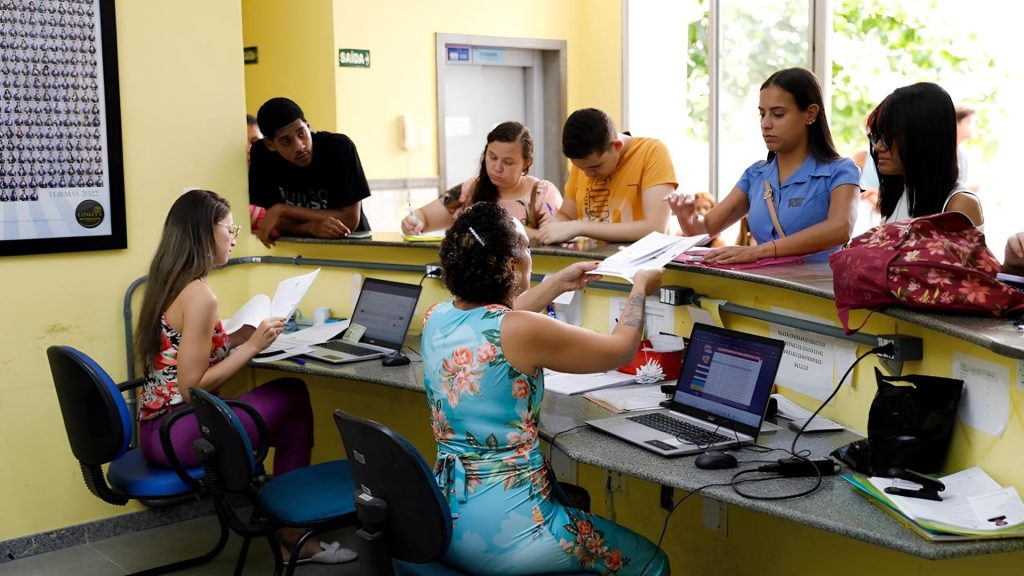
(679, 428)
(347, 348)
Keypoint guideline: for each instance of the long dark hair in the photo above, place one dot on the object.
(919, 122)
(185, 253)
(476, 254)
(485, 190)
(803, 86)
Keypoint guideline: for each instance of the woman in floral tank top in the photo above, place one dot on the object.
(183, 345)
(483, 359)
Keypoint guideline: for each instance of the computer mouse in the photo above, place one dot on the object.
(394, 360)
(716, 460)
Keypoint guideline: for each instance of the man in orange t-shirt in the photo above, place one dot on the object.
(616, 183)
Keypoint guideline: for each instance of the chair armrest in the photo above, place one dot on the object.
(263, 446)
(165, 443)
(131, 384)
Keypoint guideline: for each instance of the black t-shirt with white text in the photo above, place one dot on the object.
(332, 181)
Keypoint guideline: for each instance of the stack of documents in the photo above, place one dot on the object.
(652, 251)
(564, 383)
(973, 506)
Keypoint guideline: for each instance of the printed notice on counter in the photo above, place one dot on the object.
(811, 363)
(985, 404)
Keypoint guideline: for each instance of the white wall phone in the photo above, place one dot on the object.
(410, 134)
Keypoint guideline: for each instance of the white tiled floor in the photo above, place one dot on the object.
(140, 550)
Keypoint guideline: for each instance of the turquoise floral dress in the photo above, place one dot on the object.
(484, 415)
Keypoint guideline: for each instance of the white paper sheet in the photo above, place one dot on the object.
(626, 398)
(307, 336)
(985, 404)
(260, 307)
(652, 251)
(564, 383)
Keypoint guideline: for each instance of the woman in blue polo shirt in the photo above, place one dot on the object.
(802, 199)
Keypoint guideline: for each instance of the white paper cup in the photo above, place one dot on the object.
(320, 315)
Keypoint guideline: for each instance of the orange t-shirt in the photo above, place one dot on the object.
(619, 198)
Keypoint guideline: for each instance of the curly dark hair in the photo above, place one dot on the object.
(479, 254)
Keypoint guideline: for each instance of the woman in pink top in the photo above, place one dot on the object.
(503, 179)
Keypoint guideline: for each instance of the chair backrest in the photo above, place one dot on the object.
(219, 425)
(96, 416)
(387, 466)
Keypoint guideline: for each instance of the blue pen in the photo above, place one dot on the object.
(551, 209)
(298, 361)
(551, 310)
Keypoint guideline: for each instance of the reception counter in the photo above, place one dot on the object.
(719, 531)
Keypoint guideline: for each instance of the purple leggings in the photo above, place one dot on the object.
(283, 404)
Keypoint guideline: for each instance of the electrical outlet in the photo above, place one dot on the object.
(433, 270)
(905, 348)
(659, 317)
(716, 516)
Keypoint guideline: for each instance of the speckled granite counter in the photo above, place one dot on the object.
(835, 507)
(998, 335)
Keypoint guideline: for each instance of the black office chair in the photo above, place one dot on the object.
(315, 498)
(406, 522)
(99, 428)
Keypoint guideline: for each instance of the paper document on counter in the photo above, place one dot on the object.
(564, 383)
(307, 336)
(627, 398)
(972, 504)
(260, 307)
(652, 251)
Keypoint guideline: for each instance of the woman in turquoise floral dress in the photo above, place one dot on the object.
(483, 359)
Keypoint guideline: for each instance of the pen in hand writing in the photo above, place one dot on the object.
(412, 214)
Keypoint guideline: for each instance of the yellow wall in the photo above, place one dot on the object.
(296, 56)
(182, 102)
(400, 36)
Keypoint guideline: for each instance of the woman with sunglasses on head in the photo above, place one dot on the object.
(802, 199)
(182, 344)
(914, 145)
(484, 354)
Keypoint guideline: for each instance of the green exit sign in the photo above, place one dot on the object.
(352, 58)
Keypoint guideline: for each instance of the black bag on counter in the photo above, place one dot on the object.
(909, 425)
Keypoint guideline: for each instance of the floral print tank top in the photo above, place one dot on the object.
(160, 391)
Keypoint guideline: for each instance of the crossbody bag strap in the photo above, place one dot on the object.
(769, 199)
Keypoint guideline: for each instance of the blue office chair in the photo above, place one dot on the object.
(406, 523)
(99, 428)
(316, 498)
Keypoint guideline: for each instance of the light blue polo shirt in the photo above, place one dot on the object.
(801, 203)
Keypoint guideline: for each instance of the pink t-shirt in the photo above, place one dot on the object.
(549, 200)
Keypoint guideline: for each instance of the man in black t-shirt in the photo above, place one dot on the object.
(304, 194)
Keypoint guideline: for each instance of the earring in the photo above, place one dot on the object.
(811, 122)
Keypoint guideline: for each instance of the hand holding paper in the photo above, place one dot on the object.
(652, 251)
(260, 307)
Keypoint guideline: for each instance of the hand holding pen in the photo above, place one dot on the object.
(411, 224)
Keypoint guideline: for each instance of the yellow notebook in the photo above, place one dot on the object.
(424, 237)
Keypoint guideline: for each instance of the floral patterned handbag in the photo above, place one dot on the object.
(938, 263)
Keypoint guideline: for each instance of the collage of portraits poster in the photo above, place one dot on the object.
(61, 180)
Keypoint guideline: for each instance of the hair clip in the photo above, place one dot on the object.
(477, 236)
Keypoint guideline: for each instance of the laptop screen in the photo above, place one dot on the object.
(727, 377)
(385, 309)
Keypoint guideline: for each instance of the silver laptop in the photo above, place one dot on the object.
(720, 397)
(385, 309)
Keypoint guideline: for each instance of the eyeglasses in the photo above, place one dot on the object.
(882, 139)
(233, 229)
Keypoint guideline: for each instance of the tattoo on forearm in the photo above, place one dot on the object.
(633, 313)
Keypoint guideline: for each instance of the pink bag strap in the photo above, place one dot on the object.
(769, 199)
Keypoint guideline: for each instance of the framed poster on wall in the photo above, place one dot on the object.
(61, 171)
